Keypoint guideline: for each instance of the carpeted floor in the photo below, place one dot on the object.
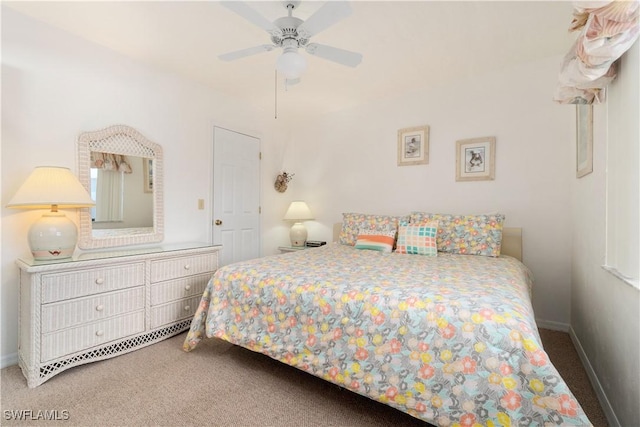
(220, 384)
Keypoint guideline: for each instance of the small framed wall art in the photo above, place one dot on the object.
(413, 146)
(475, 159)
(584, 139)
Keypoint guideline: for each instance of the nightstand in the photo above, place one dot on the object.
(285, 249)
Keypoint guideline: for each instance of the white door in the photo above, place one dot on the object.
(236, 195)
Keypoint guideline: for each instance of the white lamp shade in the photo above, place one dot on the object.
(54, 235)
(48, 186)
(291, 63)
(298, 211)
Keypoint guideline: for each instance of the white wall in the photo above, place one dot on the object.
(605, 311)
(347, 162)
(55, 86)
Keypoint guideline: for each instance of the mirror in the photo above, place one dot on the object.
(122, 170)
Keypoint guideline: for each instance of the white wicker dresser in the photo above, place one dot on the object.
(99, 305)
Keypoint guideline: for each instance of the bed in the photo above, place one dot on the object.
(450, 339)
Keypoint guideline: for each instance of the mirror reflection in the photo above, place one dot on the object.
(122, 187)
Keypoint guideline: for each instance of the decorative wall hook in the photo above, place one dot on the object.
(282, 180)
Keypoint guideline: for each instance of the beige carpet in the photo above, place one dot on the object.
(223, 385)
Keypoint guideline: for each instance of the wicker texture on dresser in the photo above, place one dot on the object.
(84, 310)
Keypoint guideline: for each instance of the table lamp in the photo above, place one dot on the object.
(53, 236)
(298, 211)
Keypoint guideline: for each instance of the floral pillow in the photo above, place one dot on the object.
(353, 222)
(466, 234)
(376, 238)
(417, 239)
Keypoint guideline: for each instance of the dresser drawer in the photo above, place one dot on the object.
(172, 290)
(74, 312)
(78, 283)
(83, 337)
(169, 313)
(174, 268)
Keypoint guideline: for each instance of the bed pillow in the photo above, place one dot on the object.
(376, 238)
(417, 239)
(466, 234)
(353, 222)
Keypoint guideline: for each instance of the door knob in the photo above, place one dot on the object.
(218, 222)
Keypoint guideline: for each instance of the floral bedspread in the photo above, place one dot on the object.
(449, 339)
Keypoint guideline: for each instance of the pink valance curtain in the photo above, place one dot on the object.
(607, 30)
(110, 162)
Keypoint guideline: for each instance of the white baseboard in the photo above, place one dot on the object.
(602, 397)
(554, 326)
(8, 360)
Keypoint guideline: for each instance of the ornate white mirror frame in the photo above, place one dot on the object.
(126, 141)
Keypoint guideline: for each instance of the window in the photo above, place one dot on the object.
(623, 164)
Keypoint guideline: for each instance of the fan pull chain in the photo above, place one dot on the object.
(276, 95)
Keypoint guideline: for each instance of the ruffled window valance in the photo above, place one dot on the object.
(607, 30)
(110, 162)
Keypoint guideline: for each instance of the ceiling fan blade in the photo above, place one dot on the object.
(330, 13)
(252, 16)
(341, 56)
(231, 56)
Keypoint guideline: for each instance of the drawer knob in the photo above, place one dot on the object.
(187, 266)
(186, 308)
(99, 333)
(99, 307)
(99, 281)
(188, 287)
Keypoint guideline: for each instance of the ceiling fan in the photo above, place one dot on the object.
(291, 33)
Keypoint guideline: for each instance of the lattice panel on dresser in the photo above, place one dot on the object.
(106, 351)
(62, 328)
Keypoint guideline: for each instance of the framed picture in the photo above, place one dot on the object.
(475, 159)
(147, 170)
(584, 139)
(413, 146)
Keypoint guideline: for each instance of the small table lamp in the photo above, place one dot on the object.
(298, 211)
(54, 235)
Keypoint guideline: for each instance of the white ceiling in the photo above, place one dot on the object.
(406, 45)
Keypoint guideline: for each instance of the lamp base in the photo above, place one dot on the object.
(53, 236)
(298, 234)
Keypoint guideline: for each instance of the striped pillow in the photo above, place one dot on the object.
(418, 239)
(376, 239)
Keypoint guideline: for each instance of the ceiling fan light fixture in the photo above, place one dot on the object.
(292, 33)
(291, 63)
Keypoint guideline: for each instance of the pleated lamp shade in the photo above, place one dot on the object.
(51, 187)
